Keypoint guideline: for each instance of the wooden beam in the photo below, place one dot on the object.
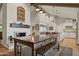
(0, 6)
(75, 5)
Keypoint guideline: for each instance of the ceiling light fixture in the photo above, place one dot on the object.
(44, 13)
(41, 11)
(37, 9)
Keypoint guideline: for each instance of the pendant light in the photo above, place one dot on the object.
(37, 9)
(41, 11)
(44, 13)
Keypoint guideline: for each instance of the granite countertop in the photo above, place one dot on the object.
(34, 39)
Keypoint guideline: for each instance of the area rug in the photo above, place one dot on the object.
(66, 51)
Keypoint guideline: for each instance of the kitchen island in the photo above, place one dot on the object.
(39, 44)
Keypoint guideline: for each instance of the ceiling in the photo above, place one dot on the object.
(65, 12)
(73, 5)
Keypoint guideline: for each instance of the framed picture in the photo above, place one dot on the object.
(20, 14)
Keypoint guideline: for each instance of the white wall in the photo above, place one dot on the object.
(38, 18)
(4, 17)
(78, 26)
(34, 18)
(12, 18)
(1, 15)
(61, 26)
(46, 20)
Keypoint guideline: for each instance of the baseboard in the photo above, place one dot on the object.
(5, 45)
(12, 47)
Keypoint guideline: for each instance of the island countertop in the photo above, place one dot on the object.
(35, 39)
(34, 42)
